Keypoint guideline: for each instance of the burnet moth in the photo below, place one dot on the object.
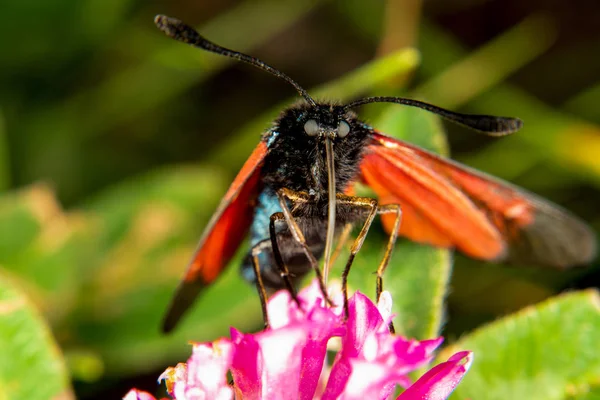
(294, 196)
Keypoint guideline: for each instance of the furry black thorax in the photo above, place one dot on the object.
(297, 161)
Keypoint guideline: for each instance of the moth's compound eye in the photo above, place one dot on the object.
(343, 129)
(311, 127)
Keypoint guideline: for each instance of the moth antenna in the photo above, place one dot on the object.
(488, 124)
(178, 30)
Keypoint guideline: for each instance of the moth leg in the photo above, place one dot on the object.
(388, 209)
(344, 236)
(359, 202)
(297, 197)
(260, 287)
(284, 272)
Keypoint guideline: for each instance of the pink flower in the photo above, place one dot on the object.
(287, 361)
(135, 394)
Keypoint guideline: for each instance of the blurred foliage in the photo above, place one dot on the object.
(31, 366)
(139, 136)
(536, 362)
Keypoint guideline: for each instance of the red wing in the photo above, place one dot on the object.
(221, 238)
(449, 205)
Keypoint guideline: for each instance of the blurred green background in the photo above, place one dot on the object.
(116, 144)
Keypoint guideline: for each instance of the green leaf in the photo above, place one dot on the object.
(4, 156)
(194, 190)
(124, 330)
(151, 225)
(583, 103)
(31, 366)
(547, 352)
(44, 247)
(18, 210)
(589, 393)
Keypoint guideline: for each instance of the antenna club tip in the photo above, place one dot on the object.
(161, 21)
(513, 125)
(518, 123)
(167, 24)
(503, 126)
(176, 29)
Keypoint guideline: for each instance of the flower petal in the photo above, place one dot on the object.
(284, 311)
(281, 352)
(246, 365)
(372, 361)
(135, 394)
(280, 363)
(313, 360)
(364, 319)
(317, 322)
(384, 305)
(207, 371)
(370, 381)
(414, 354)
(440, 381)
